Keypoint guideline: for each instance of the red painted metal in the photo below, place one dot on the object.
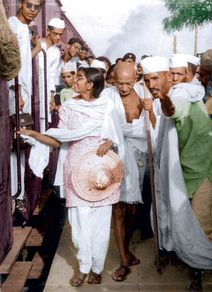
(5, 192)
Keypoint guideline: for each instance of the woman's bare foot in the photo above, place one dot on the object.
(94, 278)
(77, 279)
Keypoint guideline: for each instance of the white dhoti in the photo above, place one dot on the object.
(135, 147)
(90, 235)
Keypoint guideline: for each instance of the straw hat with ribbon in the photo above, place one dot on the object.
(95, 178)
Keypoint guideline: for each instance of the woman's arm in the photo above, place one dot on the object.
(40, 137)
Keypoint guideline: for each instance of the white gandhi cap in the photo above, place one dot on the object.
(57, 23)
(69, 67)
(192, 59)
(181, 60)
(178, 60)
(98, 64)
(154, 64)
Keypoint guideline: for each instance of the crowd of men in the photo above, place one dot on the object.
(177, 92)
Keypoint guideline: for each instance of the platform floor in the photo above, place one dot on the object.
(143, 277)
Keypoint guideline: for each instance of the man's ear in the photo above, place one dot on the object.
(189, 71)
(48, 31)
(169, 76)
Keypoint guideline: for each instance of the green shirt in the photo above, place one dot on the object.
(66, 94)
(194, 129)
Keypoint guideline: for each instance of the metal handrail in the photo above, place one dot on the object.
(45, 89)
(18, 150)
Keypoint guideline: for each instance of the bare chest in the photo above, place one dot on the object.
(132, 107)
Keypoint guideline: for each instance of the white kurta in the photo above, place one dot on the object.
(54, 64)
(22, 33)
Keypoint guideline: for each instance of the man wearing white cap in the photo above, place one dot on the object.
(68, 73)
(49, 43)
(183, 68)
(178, 68)
(183, 170)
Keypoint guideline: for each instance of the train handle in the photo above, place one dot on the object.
(18, 150)
(45, 89)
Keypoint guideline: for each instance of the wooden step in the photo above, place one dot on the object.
(20, 236)
(37, 267)
(42, 201)
(17, 278)
(35, 238)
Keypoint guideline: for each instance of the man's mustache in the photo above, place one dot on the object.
(152, 90)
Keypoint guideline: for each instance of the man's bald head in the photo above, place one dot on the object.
(125, 69)
(124, 78)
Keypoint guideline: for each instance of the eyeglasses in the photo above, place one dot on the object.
(31, 6)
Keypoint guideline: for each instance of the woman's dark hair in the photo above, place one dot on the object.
(95, 76)
(110, 71)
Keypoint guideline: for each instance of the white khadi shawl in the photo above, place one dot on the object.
(104, 124)
(134, 139)
(178, 227)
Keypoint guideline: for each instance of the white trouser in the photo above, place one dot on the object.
(90, 235)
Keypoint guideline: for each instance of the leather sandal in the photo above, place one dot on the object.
(77, 279)
(121, 273)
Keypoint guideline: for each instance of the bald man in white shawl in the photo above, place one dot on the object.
(130, 105)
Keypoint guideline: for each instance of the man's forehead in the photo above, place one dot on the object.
(156, 75)
(124, 80)
(151, 75)
(36, 2)
(57, 30)
(179, 69)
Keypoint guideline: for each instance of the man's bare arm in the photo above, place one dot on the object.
(167, 106)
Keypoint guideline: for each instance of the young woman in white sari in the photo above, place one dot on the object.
(86, 122)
